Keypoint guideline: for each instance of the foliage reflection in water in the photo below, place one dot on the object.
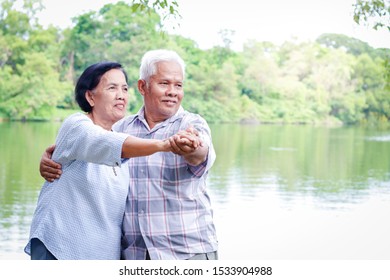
(279, 192)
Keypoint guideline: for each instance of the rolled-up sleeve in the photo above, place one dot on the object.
(202, 127)
(80, 139)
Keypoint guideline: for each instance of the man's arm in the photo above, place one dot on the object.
(49, 169)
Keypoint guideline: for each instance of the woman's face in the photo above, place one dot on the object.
(109, 98)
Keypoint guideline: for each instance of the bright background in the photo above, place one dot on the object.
(261, 20)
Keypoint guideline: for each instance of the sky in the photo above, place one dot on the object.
(261, 20)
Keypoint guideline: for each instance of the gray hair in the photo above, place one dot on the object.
(150, 59)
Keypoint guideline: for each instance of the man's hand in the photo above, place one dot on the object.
(185, 142)
(49, 169)
(189, 145)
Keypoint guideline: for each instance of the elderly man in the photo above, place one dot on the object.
(168, 211)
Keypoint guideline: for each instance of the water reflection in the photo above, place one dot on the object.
(279, 192)
(296, 192)
(383, 138)
(330, 194)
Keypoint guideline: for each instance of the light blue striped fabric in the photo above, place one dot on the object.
(168, 209)
(79, 216)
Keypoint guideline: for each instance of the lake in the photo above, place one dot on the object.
(278, 192)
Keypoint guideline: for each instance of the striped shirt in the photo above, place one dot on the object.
(168, 210)
(79, 216)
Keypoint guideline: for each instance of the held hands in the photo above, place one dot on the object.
(185, 142)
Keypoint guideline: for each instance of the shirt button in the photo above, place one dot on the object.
(141, 212)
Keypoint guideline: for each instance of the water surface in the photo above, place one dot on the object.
(279, 192)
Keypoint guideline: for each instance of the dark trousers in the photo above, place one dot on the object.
(39, 251)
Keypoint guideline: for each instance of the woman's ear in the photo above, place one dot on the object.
(89, 96)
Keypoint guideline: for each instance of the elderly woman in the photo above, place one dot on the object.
(79, 215)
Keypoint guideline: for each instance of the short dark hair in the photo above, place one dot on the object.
(89, 80)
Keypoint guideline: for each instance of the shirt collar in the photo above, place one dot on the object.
(141, 117)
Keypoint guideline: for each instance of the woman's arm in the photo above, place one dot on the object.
(138, 147)
(132, 147)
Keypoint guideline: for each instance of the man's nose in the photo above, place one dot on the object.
(172, 90)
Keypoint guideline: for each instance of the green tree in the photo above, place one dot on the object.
(168, 8)
(351, 45)
(371, 83)
(29, 85)
(374, 13)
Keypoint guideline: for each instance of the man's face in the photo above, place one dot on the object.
(163, 94)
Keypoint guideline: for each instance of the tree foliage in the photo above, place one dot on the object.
(336, 79)
(375, 13)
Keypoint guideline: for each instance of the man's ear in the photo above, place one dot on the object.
(90, 98)
(142, 87)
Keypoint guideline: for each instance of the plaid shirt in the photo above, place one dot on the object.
(168, 210)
